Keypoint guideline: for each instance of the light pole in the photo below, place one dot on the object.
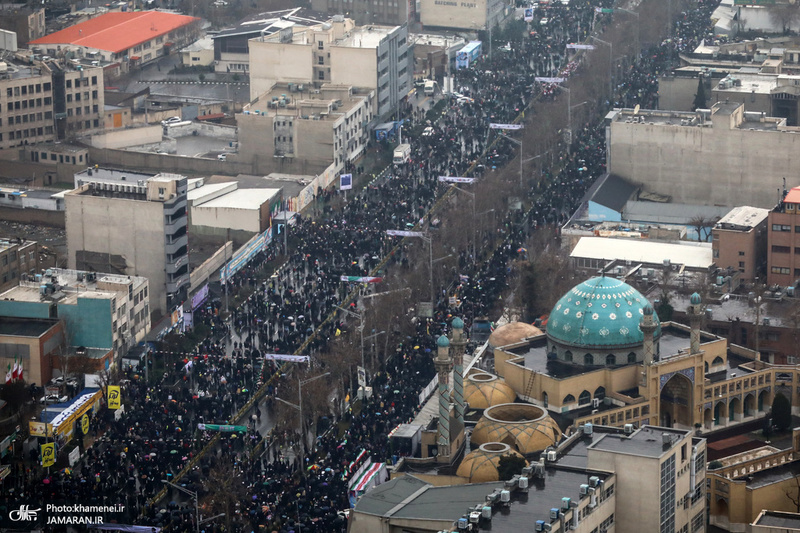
(518, 142)
(299, 407)
(638, 27)
(610, 67)
(474, 241)
(196, 502)
(360, 317)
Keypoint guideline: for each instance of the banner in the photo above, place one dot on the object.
(528, 14)
(222, 429)
(362, 377)
(549, 80)
(282, 357)
(39, 429)
(574, 46)
(114, 397)
(506, 126)
(48, 454)
(346, 182)
(361, 279)
(200, 297)
(402, 233)
(456, 179)
(607, 10)
(243, 255)
(85, 424)
(74, 455)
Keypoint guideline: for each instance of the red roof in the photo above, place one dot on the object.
(793, 197)
(117, 32)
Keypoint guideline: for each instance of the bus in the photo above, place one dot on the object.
(468, 55)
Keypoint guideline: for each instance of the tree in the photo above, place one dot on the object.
(700, 99)
(224, 489)
(510, 465)
(794, 494)
(781, 412)
(703, 225)
(785, 14)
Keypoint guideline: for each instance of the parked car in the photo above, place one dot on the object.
(170, 120)
(53, 398)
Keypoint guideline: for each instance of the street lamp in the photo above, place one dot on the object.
(474, 241)
(610, 66)
(196, 502)
(299, 407)
(518, 142)
(360, 317)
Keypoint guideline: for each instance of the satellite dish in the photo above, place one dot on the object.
(636, 109)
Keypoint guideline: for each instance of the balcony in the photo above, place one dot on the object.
(171, 227)
(175, 286)
(174, 267)
(172, 245)
(170, 208)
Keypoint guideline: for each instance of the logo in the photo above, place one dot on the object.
(23, 513)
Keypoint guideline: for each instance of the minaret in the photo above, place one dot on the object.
(443, 364)
(648, 326)
(459, 344)
(695, 317)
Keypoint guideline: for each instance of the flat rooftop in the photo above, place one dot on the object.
(746, 83)
(644, 442)
(742, 218)
(241, 199)
(27, 327)
(365, 36)
(691, 120)
(779, 519)
(692, 255)
(773, 475)
(110, 174)
(330, 103)
(71, 287)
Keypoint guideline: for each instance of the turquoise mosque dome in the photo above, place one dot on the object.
(600, 313)
(443, 341)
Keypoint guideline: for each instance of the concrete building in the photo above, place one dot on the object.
(473, 15)
(775, 522)
(435, 55)
(198, 54)
(320, 126)
(231, 45)
(133, 225)
(27, 22)
(697, 158)
(34, 343)
(366, 12)
(104, 312)
(371, 57)
(49, 101)
(226, 210)
(19, 259)
(739, 241)
(129, 38)
(783, 238)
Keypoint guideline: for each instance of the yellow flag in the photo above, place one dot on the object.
(338, 332)
(48, 454)
(114, 397)
(85, 424)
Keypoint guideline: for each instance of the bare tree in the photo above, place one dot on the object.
(704, 226)
(786, 15)
(224, 489)
(793, 494)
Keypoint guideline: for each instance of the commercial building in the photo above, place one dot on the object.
(340, 53)
(318, 126)
(18, 259)
(366, 12)
(697, 158)
(104, 312)
(225, 209)
(455, 14)
(198, 54)
(27, 22)
(131, 224)
(33, 343)
(48, 101)
(129, 38)
(231, 45)
(739, 241)
(783, 237)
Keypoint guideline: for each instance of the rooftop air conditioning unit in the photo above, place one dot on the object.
(584, 489)
(552, 456)
(554, 513)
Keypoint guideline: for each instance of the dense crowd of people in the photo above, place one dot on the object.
(158, 434)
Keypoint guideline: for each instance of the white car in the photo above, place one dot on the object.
(170, 120)
(53, 398)
(222, 157)
(428, 131)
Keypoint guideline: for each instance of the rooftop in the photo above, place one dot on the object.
(779, 519)
(699, 118)
(67, 286)
(271, 21)
(25, 327)
(117, 32)
(770, 476)
(742, 218)
(644, 442)
(691, 255)
(746, 83)
(366, 36)
(331, 102)
(242, 199)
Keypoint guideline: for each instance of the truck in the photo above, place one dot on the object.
(401, 154)
(430, 87)
(468, 55)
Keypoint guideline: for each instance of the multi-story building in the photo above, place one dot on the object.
(130, 37)
(474, 15)
(341, 53)
(18, 259)
(317, 126)
(783, 238)
(366, 12)
(26, 22)
(49, 101)
(104, 312)
(131, 224)
(739, 240)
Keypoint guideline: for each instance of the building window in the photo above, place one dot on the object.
(667, 498)
(780, 270)
(781, 227)
(781, 249)
(321, 75)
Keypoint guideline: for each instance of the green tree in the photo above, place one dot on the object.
(781, 412)
(510, 465)
(700, 100)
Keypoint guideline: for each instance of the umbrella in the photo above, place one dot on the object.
(173, 452)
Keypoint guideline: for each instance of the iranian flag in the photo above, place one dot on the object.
(361, 279)
(15, 372)
(19, 371)
(9, 375)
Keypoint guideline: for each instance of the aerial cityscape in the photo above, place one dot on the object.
(368, 266)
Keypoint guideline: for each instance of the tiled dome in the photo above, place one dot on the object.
(483, 390)
(525, 427)
(511, 333)
(480, 466)
(599, 313)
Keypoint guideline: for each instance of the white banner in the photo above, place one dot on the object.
(575, 46)
(362, 377)
(527, 15)
(456, 179)
(427, 391)
(401, 233)
(506, 126)
(73, 457)
(550, 80)
(283, 357)
(346, 182)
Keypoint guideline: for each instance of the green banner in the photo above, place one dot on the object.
(754, 2)
(222, 429)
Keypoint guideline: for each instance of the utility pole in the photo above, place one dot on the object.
(299, 407)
